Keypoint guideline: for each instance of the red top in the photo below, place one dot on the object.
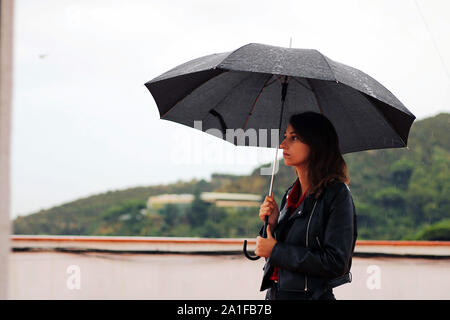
(293, 201)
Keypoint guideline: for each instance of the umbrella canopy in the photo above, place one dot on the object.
(241, 89)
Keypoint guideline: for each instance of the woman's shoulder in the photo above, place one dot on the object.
(336, 187)
(337, 184)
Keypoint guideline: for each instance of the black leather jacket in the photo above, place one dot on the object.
(316, 243)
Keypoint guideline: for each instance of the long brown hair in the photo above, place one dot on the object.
(325, 161)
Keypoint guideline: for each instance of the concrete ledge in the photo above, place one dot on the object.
(130, 244)
(207, 245)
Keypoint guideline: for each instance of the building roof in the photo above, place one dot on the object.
(205, 196)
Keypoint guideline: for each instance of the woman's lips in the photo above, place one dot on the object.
(285, 154)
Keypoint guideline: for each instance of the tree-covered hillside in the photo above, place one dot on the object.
(398, 193)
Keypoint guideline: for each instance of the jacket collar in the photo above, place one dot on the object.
(305, 206)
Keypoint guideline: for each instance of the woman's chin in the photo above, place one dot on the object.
(288, 162)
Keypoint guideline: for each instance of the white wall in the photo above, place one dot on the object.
(6, 25)
(57, 275)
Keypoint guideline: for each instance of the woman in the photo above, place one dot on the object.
(310, 240)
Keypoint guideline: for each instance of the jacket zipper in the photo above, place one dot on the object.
(307, 231)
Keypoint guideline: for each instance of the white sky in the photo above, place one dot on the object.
(84, 123)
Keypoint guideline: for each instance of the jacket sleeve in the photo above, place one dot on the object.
(337, 248)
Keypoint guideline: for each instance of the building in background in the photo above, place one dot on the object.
(220, 199)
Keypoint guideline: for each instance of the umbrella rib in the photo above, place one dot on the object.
(225, 96)
(271, 82)
(326, 61)
(225, 71)
(295, 79)
(315, 95)
(279, 78)
(386, 120)
(266, 84)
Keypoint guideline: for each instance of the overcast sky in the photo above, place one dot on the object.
(84, 123)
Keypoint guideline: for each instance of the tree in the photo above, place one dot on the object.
(123, 219)
(401, 172)
(198, 212)
(171, 214)
(438, 231)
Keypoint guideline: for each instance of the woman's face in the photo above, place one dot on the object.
(295, 152)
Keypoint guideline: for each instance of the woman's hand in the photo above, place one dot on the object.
(269, 208)
(264, 246)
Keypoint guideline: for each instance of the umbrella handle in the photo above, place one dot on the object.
(266, 221)
(247, 254)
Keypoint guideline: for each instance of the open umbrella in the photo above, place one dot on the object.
(255, 89)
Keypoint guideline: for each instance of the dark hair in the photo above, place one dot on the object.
(325, 161)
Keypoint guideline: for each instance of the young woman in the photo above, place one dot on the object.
(311, 238)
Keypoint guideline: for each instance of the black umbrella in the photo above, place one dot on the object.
(239, 92)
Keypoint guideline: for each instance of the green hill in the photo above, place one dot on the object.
(398, 194)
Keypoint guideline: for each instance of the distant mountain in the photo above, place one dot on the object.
(397, 192)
